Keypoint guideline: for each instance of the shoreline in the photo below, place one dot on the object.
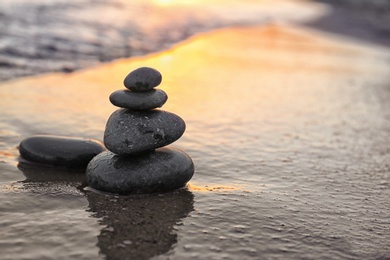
(329, 33)
(43, 37)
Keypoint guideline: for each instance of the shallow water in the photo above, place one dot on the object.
(288, 129)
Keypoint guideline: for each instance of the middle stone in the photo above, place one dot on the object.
(133, 132)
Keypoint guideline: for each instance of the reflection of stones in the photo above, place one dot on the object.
(133, 133)
(59, 151)
(139, 226)
(52, 180)
(40, 173)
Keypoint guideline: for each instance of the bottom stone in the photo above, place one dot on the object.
(162, 170)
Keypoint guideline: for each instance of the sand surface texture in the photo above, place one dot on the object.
(288, 128)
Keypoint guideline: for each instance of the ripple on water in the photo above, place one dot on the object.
(291, 158)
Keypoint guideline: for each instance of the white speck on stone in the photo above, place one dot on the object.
(127, 242)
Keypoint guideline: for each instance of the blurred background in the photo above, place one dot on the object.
(38, 36)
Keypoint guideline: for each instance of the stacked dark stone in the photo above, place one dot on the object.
(135, 135)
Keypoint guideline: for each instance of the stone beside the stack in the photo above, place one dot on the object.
(134, 135)
(62, 151)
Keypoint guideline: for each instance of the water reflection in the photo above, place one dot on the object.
(135, 227)
(51, 181)
(139, 227)
(44, 217)
(46, 174)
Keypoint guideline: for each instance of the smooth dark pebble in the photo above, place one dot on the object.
(59, 150)
(138, 100)
(162, 170)
(132, 132)
(143, 79)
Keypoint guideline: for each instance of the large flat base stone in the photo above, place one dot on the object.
(162, 170)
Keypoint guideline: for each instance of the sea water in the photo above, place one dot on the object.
(288, 129)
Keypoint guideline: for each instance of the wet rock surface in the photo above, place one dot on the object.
(131, 132)
(162, 170)
(146, 100)
(60, 151)
(133, 165)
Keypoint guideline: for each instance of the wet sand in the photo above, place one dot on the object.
(288, 129)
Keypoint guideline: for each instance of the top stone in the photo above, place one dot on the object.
(143, 79)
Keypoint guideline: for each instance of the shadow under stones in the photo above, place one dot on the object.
(139, 226)
(43, 175)
(363, 20)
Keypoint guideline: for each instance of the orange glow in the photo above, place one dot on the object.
(163, 2)
(209, 2)
(6, 154)
(201, 76)
(211, 188)
(10, 187)
(194, 71)
(176, 2)
(213, 81)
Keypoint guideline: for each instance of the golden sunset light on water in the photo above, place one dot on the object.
(173, 2)
(177, 2)
(217, 3)
(272, 143)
